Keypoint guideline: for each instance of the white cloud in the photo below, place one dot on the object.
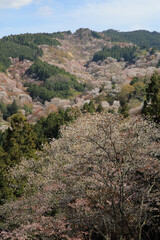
(14, 3)
(45, 11)
(126, 13)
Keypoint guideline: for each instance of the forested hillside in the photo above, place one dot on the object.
(141, 38)
(128, 54)
(79, 136)
(56, 82)
(24, 46)
(77, 67)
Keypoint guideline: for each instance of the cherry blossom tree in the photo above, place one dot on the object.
(111, 170)
(99, 181)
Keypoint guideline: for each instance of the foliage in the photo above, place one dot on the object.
(9, 110)
(99, 108)
(28, 109)
(158, 64)
(89, 107)
(3, 108)
(128, 53)
(60, 35)
(125, 93)
(13, 49)
(123, 109)
(23, 46)
(49, 128)
(110, 98)
(42, 70)
(139, 91)
(99, 181)
(152, 51)
(1, 137)
(134, 80)
(20, 139)
(95, 34)
(2, 67)
(17, 142)
(142, 38)
(111, 181)
(152, 103)
(57, 82)
(132, 94)
(32, 40)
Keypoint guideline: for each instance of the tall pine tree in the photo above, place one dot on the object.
(20, 139)
(152, 103)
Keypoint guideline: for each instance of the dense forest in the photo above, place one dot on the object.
(141, 38)
(24, 46)
(56, 82)
(127, 53)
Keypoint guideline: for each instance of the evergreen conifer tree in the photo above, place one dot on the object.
(152, 103)
(20, 139)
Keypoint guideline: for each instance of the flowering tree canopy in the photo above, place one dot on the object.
(99, 181)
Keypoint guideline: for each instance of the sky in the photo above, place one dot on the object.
(32, 16)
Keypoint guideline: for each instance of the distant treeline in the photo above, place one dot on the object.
(23, 46)
(59, 35)
(56, 82)
(141, 38)
(128, 53)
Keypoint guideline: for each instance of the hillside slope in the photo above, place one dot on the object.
(75, 53)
